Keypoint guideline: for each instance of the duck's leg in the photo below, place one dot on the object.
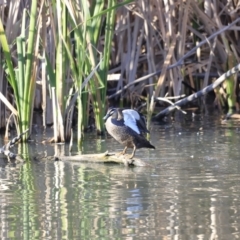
(124, 150)
(133, 153)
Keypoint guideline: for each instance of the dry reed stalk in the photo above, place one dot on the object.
(3, 82)
(209, 64)
(209, 27)
(120, 44)
(181, 35)
(43, 64)
(148, 19)
(3, 91)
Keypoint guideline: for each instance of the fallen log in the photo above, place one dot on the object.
(105, 158)
(94, 158)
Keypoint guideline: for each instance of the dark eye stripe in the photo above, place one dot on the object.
(112, 111)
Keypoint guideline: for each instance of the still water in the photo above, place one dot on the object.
(191, 191)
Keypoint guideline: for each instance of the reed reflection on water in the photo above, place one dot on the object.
(191, 192)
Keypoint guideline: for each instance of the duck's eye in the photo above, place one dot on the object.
(111, 111)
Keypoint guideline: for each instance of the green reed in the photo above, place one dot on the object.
(22, 78)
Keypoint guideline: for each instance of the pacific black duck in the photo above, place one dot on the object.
(128, 127)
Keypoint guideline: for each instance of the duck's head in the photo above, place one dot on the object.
(112, 112)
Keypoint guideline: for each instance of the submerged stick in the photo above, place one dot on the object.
(105, 158)
(199, 93)
(5, 149)
(14, 140)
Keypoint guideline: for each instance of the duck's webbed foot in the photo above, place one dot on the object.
(123, 151)
(128, 161)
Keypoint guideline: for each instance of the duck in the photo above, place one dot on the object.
(128, 127)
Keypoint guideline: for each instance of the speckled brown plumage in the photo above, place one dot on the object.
(124, 134)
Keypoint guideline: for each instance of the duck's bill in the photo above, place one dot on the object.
(105, 117)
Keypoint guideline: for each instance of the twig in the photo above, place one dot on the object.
(170, 102)
(174, 97)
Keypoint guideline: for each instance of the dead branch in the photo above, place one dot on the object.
(198, 94)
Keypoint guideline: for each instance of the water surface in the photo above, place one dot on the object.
(191, 191)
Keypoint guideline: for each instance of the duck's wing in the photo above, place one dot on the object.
(130, 120)
(139, 119)
(141, 123)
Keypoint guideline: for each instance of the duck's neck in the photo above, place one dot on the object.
(119, 114)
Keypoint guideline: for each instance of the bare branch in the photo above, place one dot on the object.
(198, 94)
